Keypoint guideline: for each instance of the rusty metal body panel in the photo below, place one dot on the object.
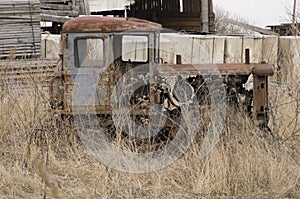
(108, 25)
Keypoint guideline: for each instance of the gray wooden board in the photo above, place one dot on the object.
(20, 28)
(70, 13)
(60, 19)
(59, 7)
(55, 1)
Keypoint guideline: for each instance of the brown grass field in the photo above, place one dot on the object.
(40, 159)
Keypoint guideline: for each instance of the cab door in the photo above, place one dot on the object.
(87, 59)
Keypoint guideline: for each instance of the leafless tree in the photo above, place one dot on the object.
(224, 26)
(294, 16)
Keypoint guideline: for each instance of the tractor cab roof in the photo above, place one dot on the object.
(108, 24)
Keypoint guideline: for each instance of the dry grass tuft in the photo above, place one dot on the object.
(40, 158)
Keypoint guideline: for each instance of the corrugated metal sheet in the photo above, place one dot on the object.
(103, 5)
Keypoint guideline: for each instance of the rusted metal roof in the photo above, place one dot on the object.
(108, 24)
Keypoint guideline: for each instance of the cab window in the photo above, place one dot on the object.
(89, 52)
(134, 48)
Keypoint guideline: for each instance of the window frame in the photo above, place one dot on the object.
(148, 47)
(76, 50)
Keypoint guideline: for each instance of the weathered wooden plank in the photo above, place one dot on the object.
(33, 12)
(20, 49)
(59, 7)
(15, 21)
(57, 19)
(55, 1)
(3, 24)
(24, 52)
(20, 54)
(23, 18)
(18, 41)
(28, 46)
(25, 24)
(4, 8)
(21, 42)
(8, 35)
(20, 38)
(20, 28)
(71, 13)
(5, 30)
(84, 8)
(60, 19)
(19, 3)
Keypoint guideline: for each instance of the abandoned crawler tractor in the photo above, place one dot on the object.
(119, 61)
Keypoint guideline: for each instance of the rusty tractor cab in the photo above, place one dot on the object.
(102, 47)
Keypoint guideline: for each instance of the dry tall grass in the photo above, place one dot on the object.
(40, 159)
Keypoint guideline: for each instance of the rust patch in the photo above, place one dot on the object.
(264, 69)
(227, 69)
(260, 100)
(108, 24)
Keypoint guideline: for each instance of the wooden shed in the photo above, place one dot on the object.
(189, 15)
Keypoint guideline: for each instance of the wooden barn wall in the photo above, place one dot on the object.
(170, 14)
(20, 34)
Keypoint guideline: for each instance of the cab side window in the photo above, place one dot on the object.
(135, 48)
(89, 52)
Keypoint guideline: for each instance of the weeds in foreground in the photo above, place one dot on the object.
(41, 158)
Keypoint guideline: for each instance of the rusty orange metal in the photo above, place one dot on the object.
(108, 25)
(260, 100)
(227, 69)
